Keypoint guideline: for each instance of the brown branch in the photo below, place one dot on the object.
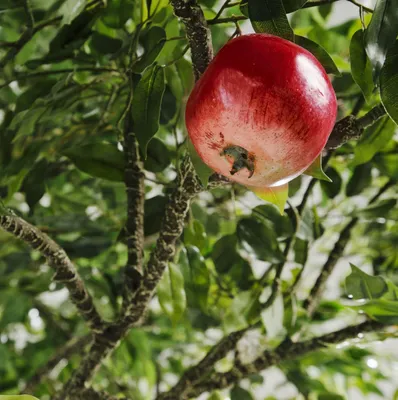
(135, 190)
(75, 345)
(351, 128)
(313, 298)
(65, 271)
(91, 394)
(194, 374)
(285, 352)
(198, 34)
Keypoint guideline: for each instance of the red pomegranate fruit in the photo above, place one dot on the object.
(262, 111)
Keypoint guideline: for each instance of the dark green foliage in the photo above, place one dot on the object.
(65, 93)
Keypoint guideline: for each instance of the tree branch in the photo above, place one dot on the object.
(194, 374)
(286, 351)
(312, 300)
(65, 271)
(73, 346)
(135, 189)
(351, 128)
(23, 76)
(198, 34)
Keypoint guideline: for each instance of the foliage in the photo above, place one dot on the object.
(73, 72)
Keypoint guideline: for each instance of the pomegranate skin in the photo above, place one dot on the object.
(265, 95)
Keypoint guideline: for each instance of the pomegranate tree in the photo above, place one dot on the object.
(262, 111)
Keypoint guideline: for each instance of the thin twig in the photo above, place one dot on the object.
(75, 345)
(312, 300)
(285, 352)
(29, 14)
(23, 76)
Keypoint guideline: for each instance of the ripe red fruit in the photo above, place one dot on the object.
(262, 111)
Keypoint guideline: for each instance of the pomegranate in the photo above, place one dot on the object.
(262, 111)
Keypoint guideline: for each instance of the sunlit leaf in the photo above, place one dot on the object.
(316, 171)
(171, 293)
(361, 68)
(381, 33)
(389, 83)
(360, 285)
(276, 195)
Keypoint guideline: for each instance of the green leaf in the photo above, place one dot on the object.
(280, 223)
(171, 293)
(361, 68)
(71, 9)
(269, 16)
(273, 318)
(276, 195)
(117, 12)
(238, 393)
(15, 307)
(224, 254)
(320, 54)
(300, 251)
(387, 163)
(146, 105)
(293, 5)
(289, 5)
(315, 170)
(153, 42)
(381, 33)
(202, 170)
(360, 179)
(100, 160)
(332, 189)
(330, 396)
(389, 83)
(258, 239)
(17, 397)
(374, 139)
(245, 309)
(380, 209)
(195, 235)
(105, 44)
(154, 212)
(27, 121)
(380, 309)
(196, 277)
(158, 156)
(360, 285)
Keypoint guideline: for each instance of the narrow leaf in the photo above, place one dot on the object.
(389, 83)
(71, 9)
(153, 43)
(100, 160)
(381, 33)
(146, 105)
(361, 68)
(269, 16)
(360, 180)
(320, 53)
(259, 240)
(315, 170)
(171, 293)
